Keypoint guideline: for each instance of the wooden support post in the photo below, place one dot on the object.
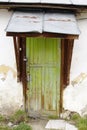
(20, 54)
(24, 76)
(68, 47)
(66, 57)
(17, 55)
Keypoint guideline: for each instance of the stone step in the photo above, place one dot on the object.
(59, 125)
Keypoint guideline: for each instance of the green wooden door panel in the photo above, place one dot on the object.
(43, 69)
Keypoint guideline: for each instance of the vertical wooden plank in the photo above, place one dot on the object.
(20, 56)
(68, 48)
(61, 76)
(66, 56)
(70, 44)
(17, 55)
(20, 53)
(24, 76)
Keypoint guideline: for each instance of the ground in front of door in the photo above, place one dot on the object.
(44, 124)
(38, 124)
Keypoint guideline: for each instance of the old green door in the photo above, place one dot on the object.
(43, 73)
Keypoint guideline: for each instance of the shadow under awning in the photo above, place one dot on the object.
(41, 22)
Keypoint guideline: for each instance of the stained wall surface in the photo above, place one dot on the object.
(75, 96)
(11, 97)
(11, 93)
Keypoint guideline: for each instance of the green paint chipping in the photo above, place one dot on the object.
(43, 71)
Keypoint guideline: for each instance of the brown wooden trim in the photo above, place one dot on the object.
(45, 34)
(61, 76)
(68, 47)
(66, 57)
(24, 76)
(17, 55)
(20, 54)
(42, 6)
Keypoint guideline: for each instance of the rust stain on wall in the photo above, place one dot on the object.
(5, 69)
(79, 79)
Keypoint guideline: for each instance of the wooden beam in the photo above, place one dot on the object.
(20, 54)
(68, 49)
(24, 76)
(54, 35)
(41, 6)
(17, 56)
(66, 57)
(61, 76)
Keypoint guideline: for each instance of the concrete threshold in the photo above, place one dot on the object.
(59, 125)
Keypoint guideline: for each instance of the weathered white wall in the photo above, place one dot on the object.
(79, 62)
(11, 94)
(75, 95)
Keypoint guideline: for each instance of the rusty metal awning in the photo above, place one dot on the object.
(35, 22)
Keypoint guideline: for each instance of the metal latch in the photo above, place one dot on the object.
(25, 59)
(28, 77)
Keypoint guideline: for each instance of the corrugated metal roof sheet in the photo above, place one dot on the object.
(70, 2)
(25, 22)
(60, 23)
(43, 22)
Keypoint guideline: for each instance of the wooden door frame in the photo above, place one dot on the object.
(66, 56)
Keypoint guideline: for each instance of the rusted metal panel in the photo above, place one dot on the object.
(25, 1)
(62, 23)
(56, 1)
(43, 69)
(25, 22)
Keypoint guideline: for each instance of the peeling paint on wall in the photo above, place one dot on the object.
(79, 79)
(79, 62)
(75, 95)
(11, 92)
(4, 71)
